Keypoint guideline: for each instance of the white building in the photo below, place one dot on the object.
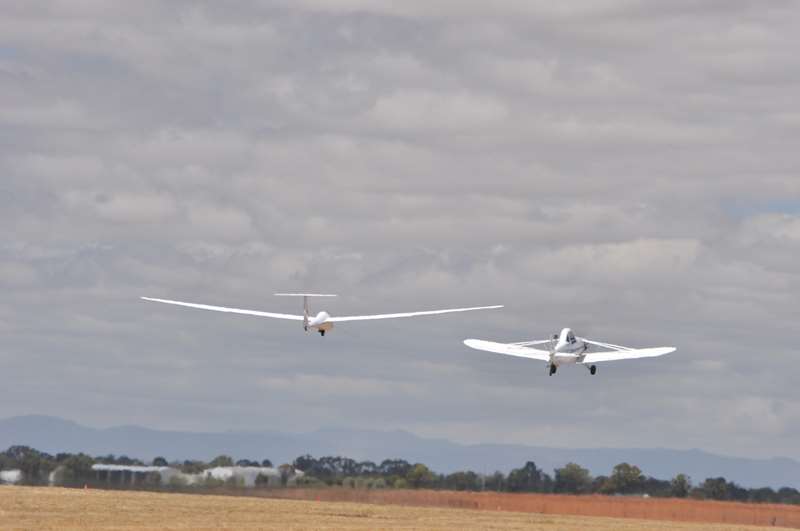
(245, 475)
(10, 476)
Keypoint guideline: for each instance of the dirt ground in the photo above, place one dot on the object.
(57, 508)
(664, 509)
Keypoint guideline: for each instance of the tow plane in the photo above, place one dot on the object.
(321, 322)
(566, 348)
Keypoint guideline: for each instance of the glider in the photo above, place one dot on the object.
(565, 348)
(323, 321)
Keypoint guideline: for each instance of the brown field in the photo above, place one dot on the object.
(665, 509)
(58, 508)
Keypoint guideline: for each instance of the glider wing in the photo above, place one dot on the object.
(407, 314)
(228, 310)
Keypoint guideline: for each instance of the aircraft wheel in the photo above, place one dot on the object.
(322, 333)
(552, 370)
(593, 369)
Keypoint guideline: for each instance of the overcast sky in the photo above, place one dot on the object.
(626, 168)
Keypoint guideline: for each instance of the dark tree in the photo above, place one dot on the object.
(420, 476)
(394, 467)
(572, 479)
(657, 487)
(77, 469)
(763, 495)
(366, 468)
(463, 481)
(625, 479)
(598, 483)
(737, 492)
(495, 482)
(526, 479)
(221, 460)
(788, 495)
(35, 465)
(680, 486)
(306, 463)
(715, 488)
(193, 467)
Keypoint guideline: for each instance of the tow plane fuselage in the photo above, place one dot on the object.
(567, 348)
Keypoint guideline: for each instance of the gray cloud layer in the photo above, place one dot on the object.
(626, 168)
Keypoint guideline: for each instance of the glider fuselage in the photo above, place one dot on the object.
(320, 321)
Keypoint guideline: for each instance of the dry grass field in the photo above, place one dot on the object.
(665, 509)
(57, 508)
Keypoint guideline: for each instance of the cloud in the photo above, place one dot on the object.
(413, 110)
(15, 275)
(59, 114)
(470, 8)
(624, 262)
(783, 229)
(218, 222)
(339, 386)
(123, 208)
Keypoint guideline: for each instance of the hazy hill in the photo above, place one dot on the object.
(54, 435)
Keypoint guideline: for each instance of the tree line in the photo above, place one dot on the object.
(625, 479)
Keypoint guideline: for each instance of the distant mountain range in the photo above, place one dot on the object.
(53, 435)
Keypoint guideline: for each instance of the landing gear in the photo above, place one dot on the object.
(593, 369)
(322, 333)
(553, 369)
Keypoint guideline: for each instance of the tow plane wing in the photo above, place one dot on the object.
(628, 354)
(565, 348)
(509, 349)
